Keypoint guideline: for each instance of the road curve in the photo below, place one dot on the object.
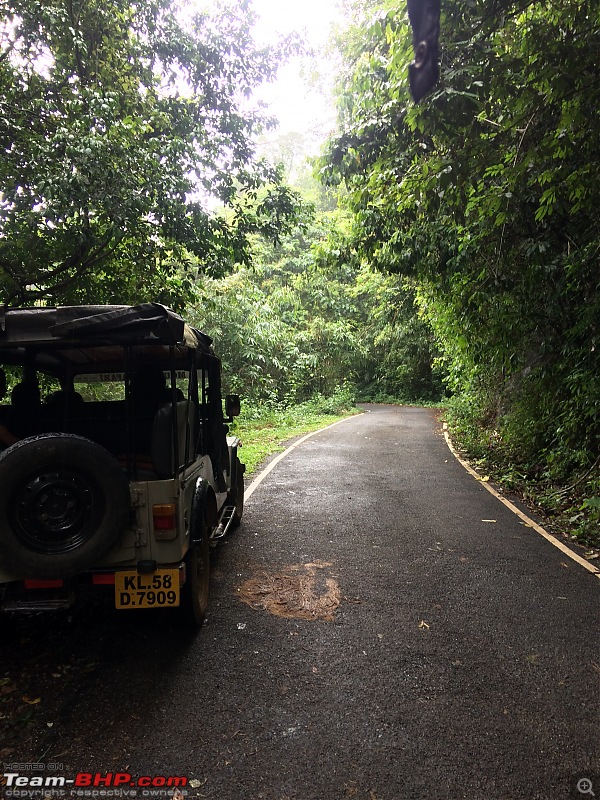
(380, 628)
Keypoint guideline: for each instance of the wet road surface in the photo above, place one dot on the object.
(380, 628)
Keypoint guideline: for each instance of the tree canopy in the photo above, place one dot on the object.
(118, 122)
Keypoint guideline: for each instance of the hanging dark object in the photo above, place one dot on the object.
(424, 16)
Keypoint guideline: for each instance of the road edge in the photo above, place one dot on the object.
(272, 464)
(527, 520)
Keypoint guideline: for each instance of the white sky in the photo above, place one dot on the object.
(282, 16)
(299, 107)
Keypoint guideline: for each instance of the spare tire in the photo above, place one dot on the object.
(64, 502)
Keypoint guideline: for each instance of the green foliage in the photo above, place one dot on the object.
(281, 334)
(298, 327)
(260, 356)
(339, 402)
(117, 122)
(399, 349)
(487, 197)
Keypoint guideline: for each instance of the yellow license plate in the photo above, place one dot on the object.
(158, 589)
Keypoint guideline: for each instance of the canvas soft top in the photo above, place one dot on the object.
(147, 323)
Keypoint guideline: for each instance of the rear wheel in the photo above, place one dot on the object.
(238, 494)
(195, 590)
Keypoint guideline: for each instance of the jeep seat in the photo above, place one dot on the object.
(162, 447)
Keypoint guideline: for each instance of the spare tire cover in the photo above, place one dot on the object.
(64, 502)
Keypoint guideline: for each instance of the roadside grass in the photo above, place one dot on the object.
(264, 431)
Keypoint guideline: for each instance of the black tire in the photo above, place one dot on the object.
(195, 590)
(64, 502)
(237, 495)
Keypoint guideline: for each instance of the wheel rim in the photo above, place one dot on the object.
(56, 510)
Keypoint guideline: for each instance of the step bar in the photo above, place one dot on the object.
(224, 525)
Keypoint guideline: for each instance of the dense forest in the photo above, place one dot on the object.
(445, 251)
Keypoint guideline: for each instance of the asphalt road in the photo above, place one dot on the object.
(380, 628)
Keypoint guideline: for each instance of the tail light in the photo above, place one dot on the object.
(164, 517)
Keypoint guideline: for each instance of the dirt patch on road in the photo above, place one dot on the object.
(301, 591)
